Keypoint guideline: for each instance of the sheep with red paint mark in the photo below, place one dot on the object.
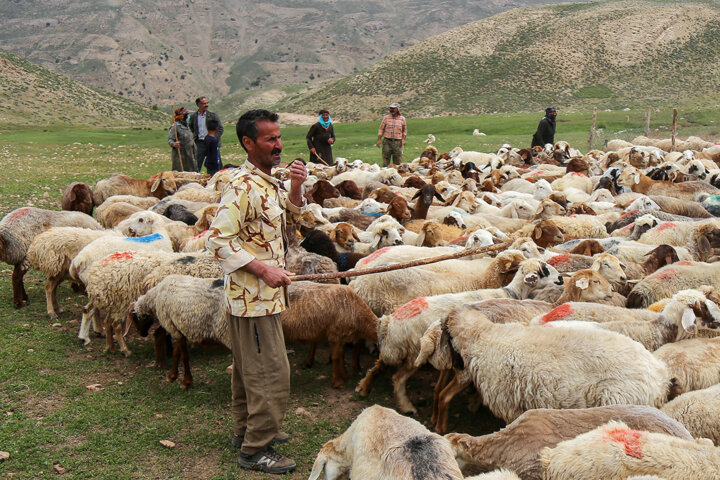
(699, 237)
(669, 280)
(399, 333)
(615, 451)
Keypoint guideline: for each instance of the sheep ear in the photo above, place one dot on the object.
(355, 235)
(318, 466)
(514, 212)
(688, 320)
(537, 233)
(595, 266)
(333, 235)
(636, 177)
(531, 279)
(439, 197)
(155, 184)
(703, 245)
(419, 192)
(582, 283)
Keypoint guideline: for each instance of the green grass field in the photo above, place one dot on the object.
(49, 416)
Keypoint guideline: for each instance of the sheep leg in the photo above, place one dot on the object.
(310, 360)
(399, 381)
(441, 383)
(109, 342)
(160, 337)
(363, 388)
(96, 323)
(453, 388)
(120, 337)
(187, 376)
(51, 296)
(339, 374)
(173, 373)
(19, 294)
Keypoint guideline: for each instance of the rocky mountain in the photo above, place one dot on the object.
(33, 95)
(611, 54)
(163, 51)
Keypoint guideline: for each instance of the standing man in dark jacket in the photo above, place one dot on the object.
(198, 124)
(546, 129)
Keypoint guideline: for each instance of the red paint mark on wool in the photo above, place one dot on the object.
(631, 440)
(627, 214)
(459, 241)
(200, 234)
(373, 256)
(411, 309)
(684, 263)
(665, 274)
(119, 256)
(578, 174)
(665, 226)
(557, 314)
(19, 213)
(628, 227)
(560, 260)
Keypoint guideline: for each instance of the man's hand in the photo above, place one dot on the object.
(331, 141)
(275, 276)
(313, 151)
(403, 142)
(378, 143)
(176, 145)
(298, 174)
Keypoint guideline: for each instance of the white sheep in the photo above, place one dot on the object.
(694, 363)
(399, 333)
(698, 411)
(380, 444)
(517, 368)
(614, 452)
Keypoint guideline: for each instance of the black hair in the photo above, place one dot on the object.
(247, 124)
(197, 100)
(212, 124)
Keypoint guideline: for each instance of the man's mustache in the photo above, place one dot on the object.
(276, 151)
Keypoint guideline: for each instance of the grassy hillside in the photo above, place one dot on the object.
(33, 95)
(611, 54)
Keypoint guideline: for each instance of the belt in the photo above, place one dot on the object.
(393, 139)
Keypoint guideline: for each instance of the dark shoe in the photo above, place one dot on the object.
(281, 437)
(268, 461)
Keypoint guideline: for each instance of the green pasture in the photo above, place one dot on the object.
(49, 417)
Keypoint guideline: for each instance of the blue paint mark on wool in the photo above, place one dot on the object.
(376, 215)
(146, 239)
(460, 211)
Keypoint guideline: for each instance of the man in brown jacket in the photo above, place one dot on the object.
(248, 236)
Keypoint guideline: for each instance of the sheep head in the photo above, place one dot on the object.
(166, 180)
(586, 286)
(537, 274)
(546, 234)
(609, 267)
(344, 235)
(398, 209)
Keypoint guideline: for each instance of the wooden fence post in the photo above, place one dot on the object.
(647, 122)
(674, 130)
(592, 129)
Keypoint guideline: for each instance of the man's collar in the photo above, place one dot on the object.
(251, 168)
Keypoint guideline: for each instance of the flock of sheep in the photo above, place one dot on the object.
(592, 334)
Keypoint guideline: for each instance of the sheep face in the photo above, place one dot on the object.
(432, 235)
(344, 235)
(167, 180)
(141, 316)
(548, 208)
(454, 218)
(538, 275)
(479, 238)
(546, 234)
(609, 267)
(370, 205)
(528, 248)
(140, 224)
(398, 208)
(387, 237)
(589, 286)
(390, 176)
(629, 177)
(642, 203)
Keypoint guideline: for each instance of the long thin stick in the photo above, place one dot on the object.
(176, 137)
(647, 121)
(399, 266)
(674, 130)
(592, 129)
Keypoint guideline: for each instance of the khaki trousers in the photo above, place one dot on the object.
(260, 379)
(391, 148)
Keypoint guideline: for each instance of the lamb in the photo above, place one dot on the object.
(51, 253)
(332, 312)
(362, 178)
(434, 234)
(399, 333)
(77, 197)
(615, 452)
(18, 229)
(159, 186)
(518, 445)
(382, 444)
(695, 362)
(698, 412)
(545, 233)
(517, 368)
(189, 310)
(319, 242)
(384, 292)
(197, 195)
(668, 280)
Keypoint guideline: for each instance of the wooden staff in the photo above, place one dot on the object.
(647, 122)
(172, 110)
(399, 266)
(674, 130)
(592, 129)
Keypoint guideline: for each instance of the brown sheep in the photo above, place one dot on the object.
(559, 198)
(424, 198)
(414, 181)
(587, 286)
(158, 186)
(434, 234)
(430, 153)
(398, 209)
(547, 234)
(321, 191)
(547, 209)
(382, 194)
(580, 209)
(77, 197)
(437, 177)
(348, 188)
(344, 235)
(587, 248)
(577, 164)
